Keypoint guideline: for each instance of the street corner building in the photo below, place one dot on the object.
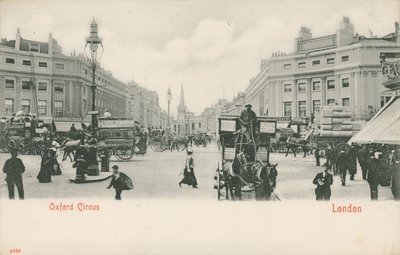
(343, 69)
(37, 78)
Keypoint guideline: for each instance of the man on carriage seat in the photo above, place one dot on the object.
(248, 121)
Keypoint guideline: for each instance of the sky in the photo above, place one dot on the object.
(211, 48)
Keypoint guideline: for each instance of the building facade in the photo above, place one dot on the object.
(338, 69)
(37, 78)
(143, 106)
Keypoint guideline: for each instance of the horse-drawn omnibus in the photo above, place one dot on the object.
(245, 165)
(23, 134)
(119, 137)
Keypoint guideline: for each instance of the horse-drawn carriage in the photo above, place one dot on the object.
(118, 137)
(201, 139)
(245, 165)
(295, 136)
(158, 142)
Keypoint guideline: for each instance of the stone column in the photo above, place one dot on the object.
(309, 97)
(18, 89)
(323, 91)
(353, 95)
(294, 102)
(338, 87)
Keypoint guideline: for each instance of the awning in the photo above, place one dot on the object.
(65, 126)
(384, 127)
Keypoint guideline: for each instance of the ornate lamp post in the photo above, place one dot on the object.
(93, 41)
(169, 98)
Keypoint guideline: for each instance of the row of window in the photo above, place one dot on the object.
(316, 104)
(27, 85)
(316, 85)
(303, 64)
(107, 105)
(25, 62)
(105, 81)
(26, 107)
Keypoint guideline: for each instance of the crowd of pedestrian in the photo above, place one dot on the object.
(379, 163)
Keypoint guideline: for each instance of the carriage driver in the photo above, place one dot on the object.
(248, 121)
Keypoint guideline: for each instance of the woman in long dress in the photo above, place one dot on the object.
(44, 175)
(55, 166)
(188, 173)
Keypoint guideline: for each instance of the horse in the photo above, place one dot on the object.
(69, 147)
(180, 140)
(233, 183)
(267, 175)
(261, 178)
(293, 144)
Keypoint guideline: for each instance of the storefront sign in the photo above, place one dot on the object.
(116, 123)
(268, 127)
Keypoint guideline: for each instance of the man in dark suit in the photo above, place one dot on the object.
(363, 158)
(373, 175)
(323, 181)
(352, 160)
(14, 168)
(342, 164)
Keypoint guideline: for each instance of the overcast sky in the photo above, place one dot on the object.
(208, 46)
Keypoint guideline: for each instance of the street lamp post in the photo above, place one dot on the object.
(169, 98)
(93, 41)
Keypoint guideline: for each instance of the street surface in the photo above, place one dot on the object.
(156, 176)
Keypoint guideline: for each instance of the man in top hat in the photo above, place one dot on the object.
(14, 168)
(248, 121)
(323, 181)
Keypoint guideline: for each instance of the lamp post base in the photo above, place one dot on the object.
(93, 167)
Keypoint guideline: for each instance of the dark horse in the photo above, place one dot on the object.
(267, 176)
(180, 142)
(292, 144)
(258, 177)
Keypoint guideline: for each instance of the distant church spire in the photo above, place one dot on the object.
(182, 106)
(182, 99)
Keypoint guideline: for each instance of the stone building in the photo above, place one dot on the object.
(337, 69)
(143, 106)
(37, 77)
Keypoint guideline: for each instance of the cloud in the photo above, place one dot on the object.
(204, 45)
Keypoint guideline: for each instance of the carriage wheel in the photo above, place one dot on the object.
(151, 145)
(11, 144)
(124, 152)
(163, 146)
(21, 148)
(157, 146)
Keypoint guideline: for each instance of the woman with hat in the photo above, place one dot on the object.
(120, 182)
(188, 173)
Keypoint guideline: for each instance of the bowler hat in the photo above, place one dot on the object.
(248, 105)
(115, 167)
